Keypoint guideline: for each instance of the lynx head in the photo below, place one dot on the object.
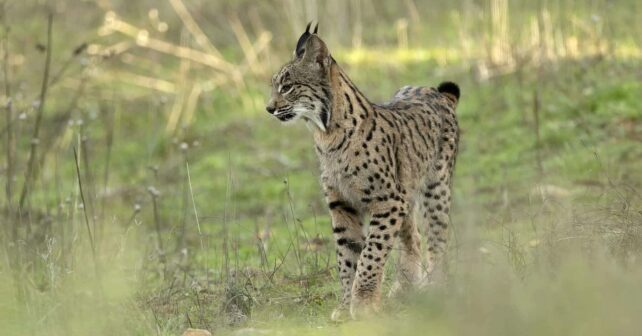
(301, 88)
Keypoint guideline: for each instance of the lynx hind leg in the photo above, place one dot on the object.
(434, 201)
(410, 271)
(435, 220)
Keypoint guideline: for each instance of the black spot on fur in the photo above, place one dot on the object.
(338, 229)
(342, 205)
(381, 215)
(354, 246)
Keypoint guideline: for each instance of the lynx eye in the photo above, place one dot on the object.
(285, 89)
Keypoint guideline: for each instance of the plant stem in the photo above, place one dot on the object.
(91, 237)
(9, 117)
(41, 107)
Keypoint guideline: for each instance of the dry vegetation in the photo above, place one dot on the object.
(146, 191)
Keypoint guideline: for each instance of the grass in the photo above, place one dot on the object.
(219, 222)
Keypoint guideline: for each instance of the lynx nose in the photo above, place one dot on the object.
(270, 109)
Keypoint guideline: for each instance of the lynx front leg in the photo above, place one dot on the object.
(387, 218)
(347, 229)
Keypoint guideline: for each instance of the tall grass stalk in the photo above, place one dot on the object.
(191, 192)
(89, 232)
(10, 149)
(35, 138)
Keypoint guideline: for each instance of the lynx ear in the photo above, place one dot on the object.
(310, 48)
(300, 45)
(315, 51)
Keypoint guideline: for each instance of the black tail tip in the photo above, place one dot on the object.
(449, 87)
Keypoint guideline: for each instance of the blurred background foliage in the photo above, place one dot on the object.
(146, 190)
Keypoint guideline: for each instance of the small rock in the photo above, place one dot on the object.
(196, 332)
(550, 192)
(251, 332)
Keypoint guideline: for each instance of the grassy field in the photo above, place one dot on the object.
(147, 191)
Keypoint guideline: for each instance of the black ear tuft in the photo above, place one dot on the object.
(301, 43)
(316, 28)
(449, 87)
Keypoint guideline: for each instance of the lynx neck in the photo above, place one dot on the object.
(350, 109)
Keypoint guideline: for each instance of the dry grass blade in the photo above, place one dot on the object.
(142, 81)
(194, 28)
(112, 23)
(244, 41)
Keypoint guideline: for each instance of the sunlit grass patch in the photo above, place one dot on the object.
(399, 56)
